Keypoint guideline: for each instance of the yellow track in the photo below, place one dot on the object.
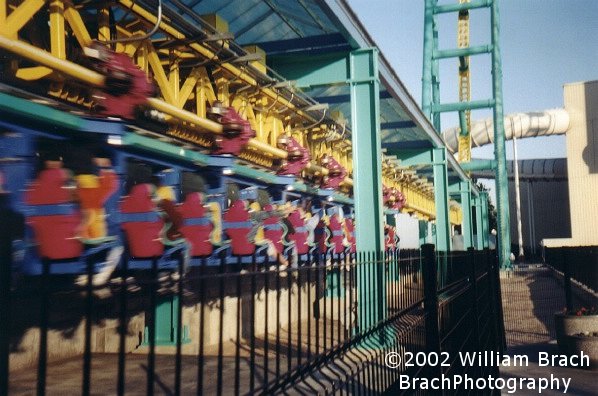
(464, 83)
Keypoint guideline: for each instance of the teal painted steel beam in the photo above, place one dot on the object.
(458, 52)
(467, 225)
(358, 70)
(462, 106)
(455, 189)
(423, 231)
(479, 165)
(444, 8)
(485, 219)
(367, 149)
(156, 146)
(427, 61)
(391, 219)
(367, 185)
(312, 71)
(463, 124)
(478, 222)
(441, 199)
(39, 113)
(412, 157)
(502, 182)
(435, 77)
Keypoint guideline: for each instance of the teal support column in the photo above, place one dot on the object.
(359, 70)
(367, 184)
(485, 220)
(427, 61)
(367, 149)
(467, 226)
(423, 232)
(435, 77)
(502, 183)
(440, 172)
(478, 222)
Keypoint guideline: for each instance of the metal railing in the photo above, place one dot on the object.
(579, 263)
(325, 326)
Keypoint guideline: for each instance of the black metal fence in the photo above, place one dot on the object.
(326, 326)
(579, 263)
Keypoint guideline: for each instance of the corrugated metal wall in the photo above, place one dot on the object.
(544, 212)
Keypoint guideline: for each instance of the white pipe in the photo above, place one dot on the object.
(520, 125)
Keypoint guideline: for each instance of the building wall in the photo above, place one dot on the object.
(581, 101)
(544, 212)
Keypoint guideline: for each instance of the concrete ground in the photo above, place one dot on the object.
(530, 299)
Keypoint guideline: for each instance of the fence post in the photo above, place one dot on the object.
(5, 307)
(499, 324)
(431, 304)
(567, 279)
(473, 284)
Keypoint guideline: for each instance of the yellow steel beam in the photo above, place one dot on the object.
(104, 24)
(77, 25)
(57, 42)
(208, 54)
(273, 124)
(61, 13)
(188, 86)
(33, 73)
(3, 12)
(44, 58)
(20, 16)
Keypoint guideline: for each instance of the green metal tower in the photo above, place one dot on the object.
(433, 108)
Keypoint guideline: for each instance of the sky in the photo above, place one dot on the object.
(544, 44)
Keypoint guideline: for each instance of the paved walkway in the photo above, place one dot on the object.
(530, 299)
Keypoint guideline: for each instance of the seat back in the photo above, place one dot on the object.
(237, 225)
(350, 228)
(197, 227)
(142, 223)
(390, 239)
(301, 233)
(322, 235)
(53, 217)
(336, 228)
(273, 230)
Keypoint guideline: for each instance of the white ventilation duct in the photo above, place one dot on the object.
(522, 125)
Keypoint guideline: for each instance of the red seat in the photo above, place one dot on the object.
(301, 233)
(273, 230)
(53, 216)
(390, 239)
(322, 236)
(237, 225)
(196, 228)
(142, 223)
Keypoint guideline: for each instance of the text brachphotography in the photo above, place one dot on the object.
(483, 359)
(465, 382)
